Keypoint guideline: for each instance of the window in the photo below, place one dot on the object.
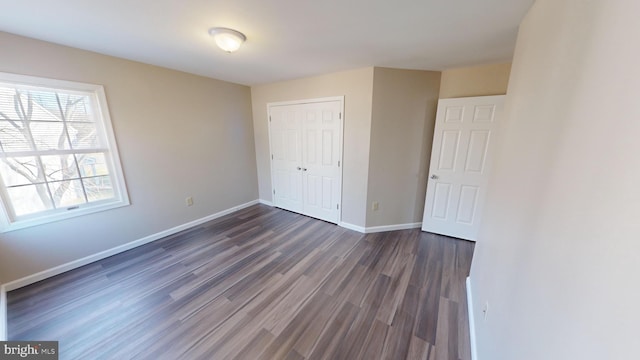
(58, 156)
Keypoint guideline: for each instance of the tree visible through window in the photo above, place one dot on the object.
(56, 152)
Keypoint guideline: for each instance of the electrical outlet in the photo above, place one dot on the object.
(189, 201)
(485, 311)
(374, 206)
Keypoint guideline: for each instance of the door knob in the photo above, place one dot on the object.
(299, 168)
(434, 177)
(304, 169)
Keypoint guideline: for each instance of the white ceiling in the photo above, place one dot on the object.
(286, 38)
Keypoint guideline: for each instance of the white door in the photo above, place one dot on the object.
(306, 146)
(463, 146)
(286, 155)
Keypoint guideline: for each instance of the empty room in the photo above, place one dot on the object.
(319, 180)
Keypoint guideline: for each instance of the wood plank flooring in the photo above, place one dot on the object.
(261, 283)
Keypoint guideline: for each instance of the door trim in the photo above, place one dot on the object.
(306, 101)
(340, 147)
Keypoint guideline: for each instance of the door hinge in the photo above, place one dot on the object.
(337, 206)
(271, 156)
(338, 163)
(274, 191)
(340, 116)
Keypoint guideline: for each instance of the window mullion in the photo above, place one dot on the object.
(52, 152)
(63, 117)
(84, 190)
(44, 179)
(65, 128)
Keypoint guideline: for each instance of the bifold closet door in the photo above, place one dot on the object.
(306, 149)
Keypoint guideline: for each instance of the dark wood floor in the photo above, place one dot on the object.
(261, 283)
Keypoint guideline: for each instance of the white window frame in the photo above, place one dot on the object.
(10, 222)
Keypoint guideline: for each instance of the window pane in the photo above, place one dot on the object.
(92, 164)
(76, 107)
(60, 167)
(20, 104)
(49, 135)
(20, 171)
(67, 193)
(11, 137)
(44, 104)
(7, 98)
(98, 188)
(83, 135)
(29, 199)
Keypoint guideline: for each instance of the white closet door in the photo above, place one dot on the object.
(321, 160)
(306, 146)
(463, 144)
(286, 153)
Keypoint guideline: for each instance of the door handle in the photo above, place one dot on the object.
(434, 177)
(299, 168)
(304, 169)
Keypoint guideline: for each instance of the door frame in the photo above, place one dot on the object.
(340, 139)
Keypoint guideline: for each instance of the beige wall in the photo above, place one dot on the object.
(557, 257)
(179, 135)
(480, 80)
(403, 117)
(356, 86)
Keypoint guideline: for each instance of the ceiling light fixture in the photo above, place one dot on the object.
(228, 40)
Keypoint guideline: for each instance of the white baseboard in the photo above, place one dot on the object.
(376, 229)
(265, 202)
(352, 227)
(30, 279)
(3, 313)
(472, 322)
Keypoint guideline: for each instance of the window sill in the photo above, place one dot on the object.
(41, 220)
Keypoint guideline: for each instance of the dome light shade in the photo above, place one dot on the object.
(228, 40)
